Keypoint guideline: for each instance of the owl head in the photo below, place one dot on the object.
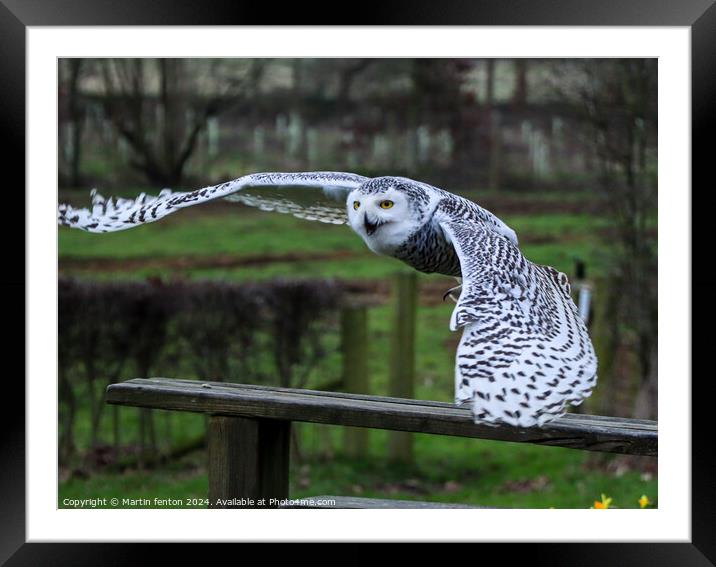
(386, 211)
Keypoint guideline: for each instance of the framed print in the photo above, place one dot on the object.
(643, 71)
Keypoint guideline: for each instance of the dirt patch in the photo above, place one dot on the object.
(430, 293)
(523, 205)
(525, 485)
(379, 291)
(611, 234)
(368, 291)
(104, 264)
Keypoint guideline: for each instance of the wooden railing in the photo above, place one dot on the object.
(249, 429)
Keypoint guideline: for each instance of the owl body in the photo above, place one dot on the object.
(428, 250)
(524, 355)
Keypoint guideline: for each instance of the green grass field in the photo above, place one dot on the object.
(232, 242)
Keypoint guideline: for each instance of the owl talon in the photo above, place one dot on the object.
(453, 293)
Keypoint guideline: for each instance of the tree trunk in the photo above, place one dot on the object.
(76, 115)
(519, 97)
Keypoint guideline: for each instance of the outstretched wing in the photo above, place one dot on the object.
(525, 352)
(319, 196)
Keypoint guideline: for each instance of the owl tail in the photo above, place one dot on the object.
(519, 388)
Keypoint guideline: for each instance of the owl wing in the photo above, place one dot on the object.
(319, 196)
(525, 352)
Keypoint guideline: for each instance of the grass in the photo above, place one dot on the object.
(469, 471)
(446, 469)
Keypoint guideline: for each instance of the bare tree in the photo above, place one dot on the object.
(617, 100)
(519, 96)
(72, 112)
(161, 106)
(494, 137)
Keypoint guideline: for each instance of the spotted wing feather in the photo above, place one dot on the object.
(319, 196)
(525, 354)
(307, 204)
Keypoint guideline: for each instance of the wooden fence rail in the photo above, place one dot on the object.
(249, 427)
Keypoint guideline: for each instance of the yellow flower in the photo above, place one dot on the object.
(644, 501)
(603, 504)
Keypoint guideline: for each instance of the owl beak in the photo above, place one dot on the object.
(370, 228)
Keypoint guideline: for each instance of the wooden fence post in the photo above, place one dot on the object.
(248, 459)
(354, 350)
(402, 358)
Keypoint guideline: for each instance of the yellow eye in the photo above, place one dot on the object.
(356, 204)
(386, 204)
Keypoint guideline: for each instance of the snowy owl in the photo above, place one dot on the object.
(524, 353)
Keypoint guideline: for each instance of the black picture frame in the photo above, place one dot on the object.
(17, 15)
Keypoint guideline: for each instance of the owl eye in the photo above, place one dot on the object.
(356, 204)
(386, 204)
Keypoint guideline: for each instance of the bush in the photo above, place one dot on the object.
(270, 333)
